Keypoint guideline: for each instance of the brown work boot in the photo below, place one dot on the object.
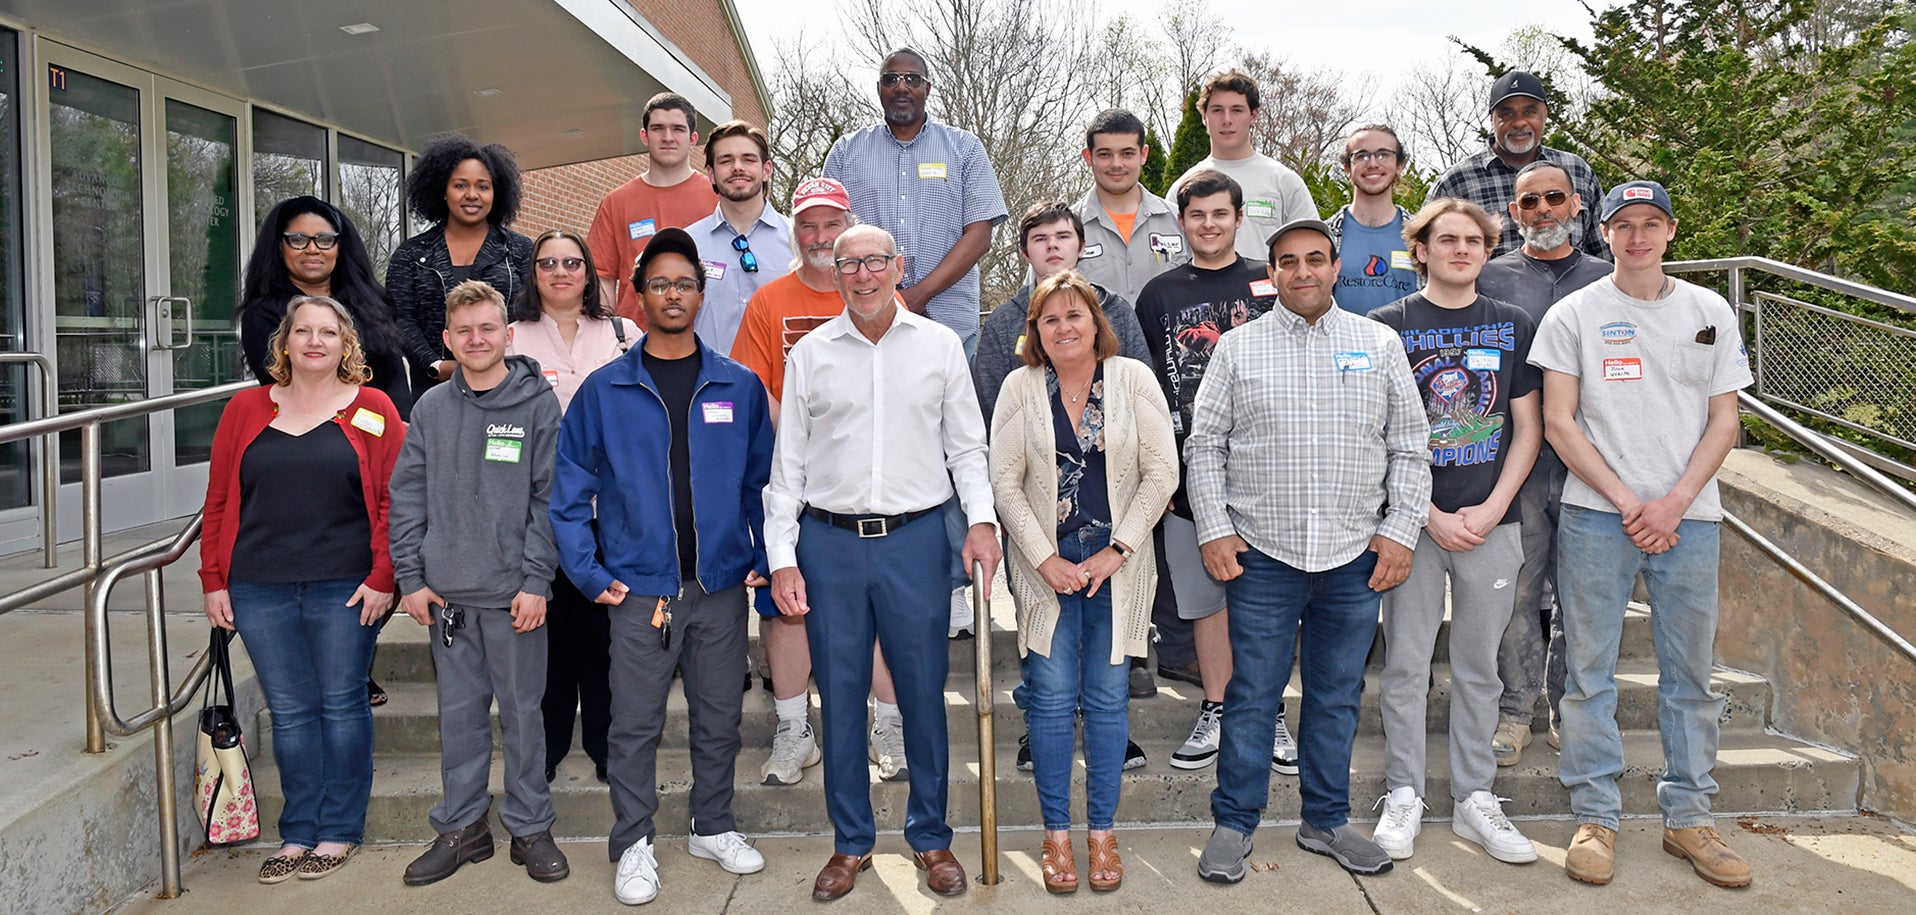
(839, 875)
(943, 874)
(1593, 854)
(1708, 856)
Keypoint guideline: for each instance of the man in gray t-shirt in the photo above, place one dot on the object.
(1641, 372)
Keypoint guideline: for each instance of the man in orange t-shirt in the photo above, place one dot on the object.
(670, 194)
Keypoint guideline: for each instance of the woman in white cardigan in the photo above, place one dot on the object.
(1082, 464)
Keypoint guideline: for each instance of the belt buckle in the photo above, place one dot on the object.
(871, 527)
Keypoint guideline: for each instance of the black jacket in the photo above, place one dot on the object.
(420, 275)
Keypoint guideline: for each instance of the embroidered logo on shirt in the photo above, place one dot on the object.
(505, 430)
(1167, 244)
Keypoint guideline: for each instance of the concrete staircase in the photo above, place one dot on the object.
(1759, 772)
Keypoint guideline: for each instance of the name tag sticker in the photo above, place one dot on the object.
(1483, 360)
(552, 376)
(715, 270)
(931, 170)
(1630, 369)
(717, 412)
(503, 450)
(1019, 349)
(641, 229)
(1401, 260)
(1352, 362)
(1092, 251)
(1167, 244)
(1263, 288)
(369, 422)
(1260, 209)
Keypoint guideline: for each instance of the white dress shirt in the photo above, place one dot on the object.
(875, 428)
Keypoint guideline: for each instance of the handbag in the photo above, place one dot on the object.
(222, 781)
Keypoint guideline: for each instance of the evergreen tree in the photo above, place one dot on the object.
(1189, 146)
(1152, 174)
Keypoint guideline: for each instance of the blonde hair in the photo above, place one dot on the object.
(472, 292)
(1067, 282)
(352, 361)
(1417, 228)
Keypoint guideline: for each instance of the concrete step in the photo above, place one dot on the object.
(409, 722)
(1757, 773)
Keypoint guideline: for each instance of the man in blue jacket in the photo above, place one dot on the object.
(670, 551)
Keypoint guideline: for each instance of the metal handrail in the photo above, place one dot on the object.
(50, 464)
(1821, 444)
(132, 409)
(1829, 591)
(166, 703)
(987, 760)
(1736, 265)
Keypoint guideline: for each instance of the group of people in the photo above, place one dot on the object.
(1213, 426)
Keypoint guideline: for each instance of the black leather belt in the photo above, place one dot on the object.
(868, 526)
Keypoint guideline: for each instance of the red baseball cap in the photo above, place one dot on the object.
(817, 192)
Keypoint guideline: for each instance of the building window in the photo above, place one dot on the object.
(372, 193)
(289, 159)
(15, 462)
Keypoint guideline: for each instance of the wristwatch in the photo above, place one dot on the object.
(1123, 551)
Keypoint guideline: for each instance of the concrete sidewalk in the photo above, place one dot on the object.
(1823, 864)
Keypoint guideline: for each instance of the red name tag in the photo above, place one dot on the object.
(1630, 369)
(1263, 288)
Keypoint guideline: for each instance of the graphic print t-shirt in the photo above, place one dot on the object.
(1184, 311)
(1374, 269)
(1469, 364)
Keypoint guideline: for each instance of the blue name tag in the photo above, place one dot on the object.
(1483, 360)
(1352, 362)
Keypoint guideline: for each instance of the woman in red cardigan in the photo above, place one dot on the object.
(294, 557)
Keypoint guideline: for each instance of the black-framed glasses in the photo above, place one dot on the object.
(660, 285)
(876, 263)
(1554, 198)
(911, 80)
(1380, 156)
(747, 261)
(549, 264)
(299, 240)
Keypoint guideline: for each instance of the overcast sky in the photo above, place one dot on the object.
(1376, 46)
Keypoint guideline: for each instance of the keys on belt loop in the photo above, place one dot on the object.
(450, 619)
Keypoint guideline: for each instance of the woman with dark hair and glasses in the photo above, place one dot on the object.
(469, 193)
(563, 323)
(307, 247)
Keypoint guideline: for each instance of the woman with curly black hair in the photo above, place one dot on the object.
(470, 193)
(307, 247)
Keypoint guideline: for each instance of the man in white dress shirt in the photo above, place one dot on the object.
(878, 422)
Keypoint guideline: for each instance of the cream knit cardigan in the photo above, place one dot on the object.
(1141, 471)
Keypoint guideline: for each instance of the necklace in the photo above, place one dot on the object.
(1086, 389)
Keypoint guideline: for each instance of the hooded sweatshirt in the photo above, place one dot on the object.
(470, 514)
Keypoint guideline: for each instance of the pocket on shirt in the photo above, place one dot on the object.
(1692, 363)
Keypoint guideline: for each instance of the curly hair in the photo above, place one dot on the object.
(526, 304)
(426, 185)
(353, 281)
(352, 361)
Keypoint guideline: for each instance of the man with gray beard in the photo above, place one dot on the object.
(1519, 111)
(1535, 277)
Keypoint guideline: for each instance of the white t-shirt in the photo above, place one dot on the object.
(1645, 382)
(1273, 196)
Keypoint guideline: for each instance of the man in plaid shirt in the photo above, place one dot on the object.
(1309, 477)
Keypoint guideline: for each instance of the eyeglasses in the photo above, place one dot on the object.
(1380, 156)
(299, 240)
(550, 264)
(661, 286)
(911, 80)
(1554, 198)
(747, 261)
(875, 263)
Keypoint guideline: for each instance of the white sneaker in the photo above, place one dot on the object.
(794, 750)
(1481, 820)
(888, 749)
(1403, 820)
(1283, 750)
(962, 617)
(1201, 749)
(730, 850)
(637, 881)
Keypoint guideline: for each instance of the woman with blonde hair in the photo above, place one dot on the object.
(293, 556)
(1082, 465)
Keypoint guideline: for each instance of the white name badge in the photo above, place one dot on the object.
(1263, 288)
(1483, 360)
(1092, 251)
(717, 412)
(714, 270)
(1630, 369)
(1352, 362)
(1260, 209)
(552, 376)
(931, 170)
(641, 229)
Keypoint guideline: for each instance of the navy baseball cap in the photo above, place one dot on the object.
(1632, 192)
(1517, 83)
(668, 241)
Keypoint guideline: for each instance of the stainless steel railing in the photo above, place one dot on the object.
(987, 758)
(50, 457)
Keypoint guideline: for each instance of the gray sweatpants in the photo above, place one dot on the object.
(1483, 588)
(489, 661)
(1530, 660)
(708, 646)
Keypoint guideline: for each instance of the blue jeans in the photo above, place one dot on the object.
(1078, 674)
(1597, 566)
(313, 657)
(1339, 614)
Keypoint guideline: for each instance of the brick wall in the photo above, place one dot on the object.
(566, 196)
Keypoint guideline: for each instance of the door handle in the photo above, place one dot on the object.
(167, 308)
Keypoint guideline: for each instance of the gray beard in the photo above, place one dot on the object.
(1545, 238)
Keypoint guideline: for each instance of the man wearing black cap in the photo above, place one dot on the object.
(1519, 109)
(1309, 477)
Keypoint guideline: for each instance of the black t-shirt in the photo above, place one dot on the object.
(677, 380)
(302, 509)
(1469, 363)
(1184, 311)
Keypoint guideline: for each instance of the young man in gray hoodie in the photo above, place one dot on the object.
(474, 557)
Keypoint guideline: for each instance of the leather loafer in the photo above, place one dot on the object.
(838, 876)
(943, 874)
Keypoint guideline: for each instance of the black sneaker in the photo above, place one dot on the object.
(1133, 755)
(1024, 752)
(1143, 685)
(598, 771)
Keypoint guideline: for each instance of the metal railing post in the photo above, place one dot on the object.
(91, 539)
(163, 748)
(50, 455)
(987, 751)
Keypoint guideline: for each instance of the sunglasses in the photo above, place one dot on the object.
(911, 80)
(299, 240)
(1554, 198)
(746, 259)
(550, 264)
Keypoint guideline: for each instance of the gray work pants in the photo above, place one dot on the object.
(488, 661)
(1530, 660)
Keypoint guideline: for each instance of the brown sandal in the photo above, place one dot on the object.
(1104, 860)
(1060, 871)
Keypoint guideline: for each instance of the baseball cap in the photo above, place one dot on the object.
(819, 192)
(1517, 83)
(668, 241)
(1631, 192)
(1312, 223)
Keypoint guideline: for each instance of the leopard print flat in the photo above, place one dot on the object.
(316, 866)
(281, 867)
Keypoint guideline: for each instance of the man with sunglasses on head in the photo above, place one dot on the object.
(1519, 109)
(1534, 278)
(1376, 267)
(745, 243)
